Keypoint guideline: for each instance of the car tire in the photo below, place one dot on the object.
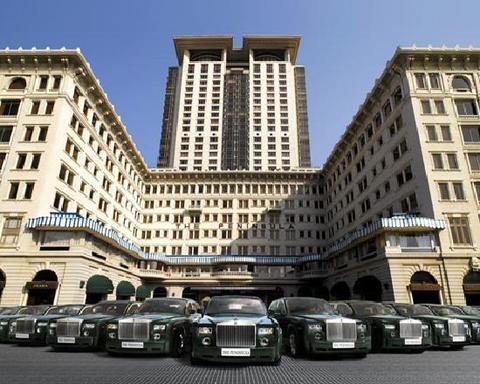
(277, 362)
(179, 342)
(295, 347)
(194, 360)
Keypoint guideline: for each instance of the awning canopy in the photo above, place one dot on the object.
(99, 284)
(125, 288)
(41, 284)
(425, 287)
(143, 292)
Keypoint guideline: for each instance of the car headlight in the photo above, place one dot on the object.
(159, 327)
(425, 327)
(389, 326)
(42, 324)
(439, 325)
(205, 330)
(112, 326)
(88, 326)
(265, 331)
(475, 325)
(53, 325)
(362, 328)
(315, 327)
(3, 322)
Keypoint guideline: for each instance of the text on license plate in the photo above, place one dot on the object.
(66, 340)
(235, 352)
(457, 339)
(132, 344)
(22, 335)
(415, 341)
(344, 344)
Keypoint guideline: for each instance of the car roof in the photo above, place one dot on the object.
(235, 297)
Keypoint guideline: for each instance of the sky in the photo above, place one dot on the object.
(345, 46)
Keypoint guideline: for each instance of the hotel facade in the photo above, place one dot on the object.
(233, 205)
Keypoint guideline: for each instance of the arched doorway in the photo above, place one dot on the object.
(368, 288)
(340, 291)
(304, 291)
(321, 292)
(160, 292)
(3, 280)
(98, 288)
(42, 288)
(471, 288)
(188, 293)
(142, 293)
(424, 288)
(125, 290)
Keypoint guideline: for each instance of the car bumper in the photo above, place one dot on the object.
(138, 347)
(399, 343)
(327, 347)
(4, 334)
(258, 355)
(80, 342)
(447, 341)
(33, 339)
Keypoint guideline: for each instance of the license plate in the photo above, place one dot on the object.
(341, 345)
(131, 344)
(416, 341)
(457, 339)
(22, 336)
(235, 352)
(66, 340)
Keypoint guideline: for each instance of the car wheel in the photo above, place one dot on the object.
(179, 344)
(294, 345)
(277, 362)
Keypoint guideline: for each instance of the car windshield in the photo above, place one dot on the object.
(471, 311)
(109, 308)
(412, 310)
(9, 311)
(163, 306)
(35, 310)
(446, 311)
(308, 305)
(65, 310)
(371, 309)
(220, 305)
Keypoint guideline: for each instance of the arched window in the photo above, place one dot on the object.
(460, 84)
(424, 288)
(18, 83)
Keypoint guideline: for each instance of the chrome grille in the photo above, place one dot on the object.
(69, 327)
(410, 328)
(25, 326)
(341, 330)
(456, 327)
(236, 335)
(134, 329)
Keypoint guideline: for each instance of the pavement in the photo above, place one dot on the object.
(38, 365)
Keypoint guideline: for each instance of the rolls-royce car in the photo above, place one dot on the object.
(446, 331)
(453, 311)
(310, 325)
(8, 319)
(32, 329)
(236, 329)
(87, 330)
(158, 326)
(389, 330)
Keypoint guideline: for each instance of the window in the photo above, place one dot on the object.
(420, 81)
(474, 160)
(5, 134)
(434, 80)
(43, 82)
(426, 108)
(56, 82)
(9, 107)
(458, 191)
(439, 106)
(28, 133)
(11, 230)
(49, 108)
(35, 108)
(28, 190)
(466, 107)
(437, 160)
(476, 186)
(22, 158)
(61, 202)
(432, 133)
(35, 161)
(3, 156)
(444, 191)
(460, 84)
(446, 135)
(42, 134)
(14, 186)
(452, 160)
(471, 133)
(397, 96)
(18, 83)
(460, 230)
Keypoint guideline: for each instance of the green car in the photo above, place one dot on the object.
(236, 329)
(88, 330)
(33, 329)
(158, 326)
(8, 318)
(389, 330)
(310, 325)
(471, 319)
(446, 331)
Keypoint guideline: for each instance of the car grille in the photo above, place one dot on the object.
(410, 328)
(341, 330)
(25, 326)
(69, 327)
(456, 327)
(134, 329)
(236, 335)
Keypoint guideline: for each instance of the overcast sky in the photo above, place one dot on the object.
(344, 47)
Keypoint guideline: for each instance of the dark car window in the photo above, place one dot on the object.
(471, 311)
(9, 311)
(343, 309)
(372, 309)
(133, 309)
(163, 306)
(67, 310)
(35, 310)
(235, 305)
(87, 310)
(308, 305)
(413, 310)
(446, 311)
(109, 308)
